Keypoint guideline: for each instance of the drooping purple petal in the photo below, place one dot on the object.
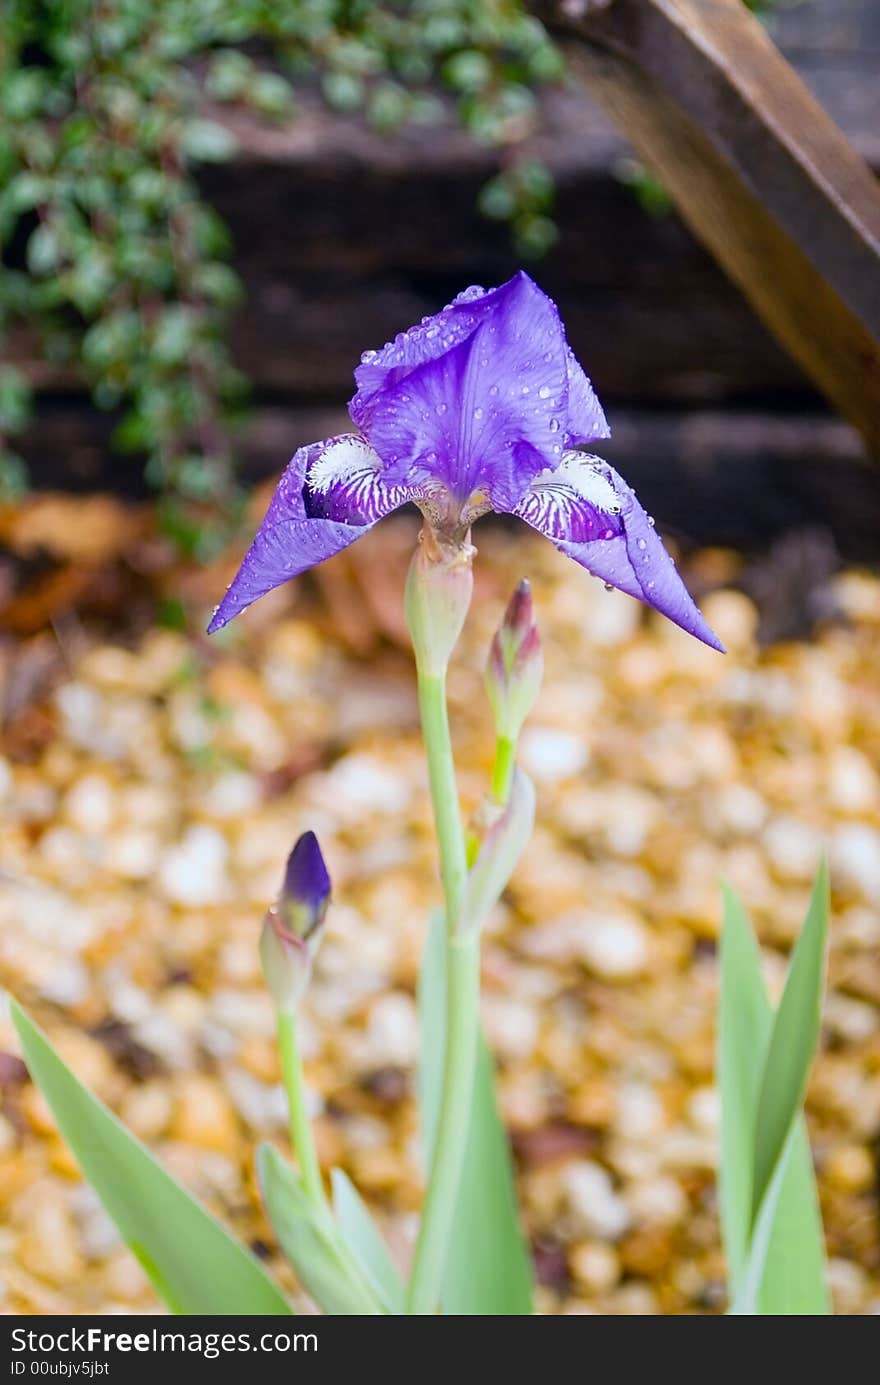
(308, 522)
(475, 400)
(589, 512)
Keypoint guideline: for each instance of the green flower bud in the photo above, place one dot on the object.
(516, 665)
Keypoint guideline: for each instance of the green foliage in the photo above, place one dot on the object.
(769, 1208)
(488, 1272)
(191, 1259)
(110, 254)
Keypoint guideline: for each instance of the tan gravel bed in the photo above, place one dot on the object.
(146, 819)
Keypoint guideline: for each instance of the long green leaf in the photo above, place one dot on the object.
(365, 1243)
(794, 1279)
(312, 1242)
(193, 1262)
(488, 1271)
(745, 1022)
(792, 1042)
(780, 1270)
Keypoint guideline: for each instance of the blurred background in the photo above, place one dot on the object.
(205, 218)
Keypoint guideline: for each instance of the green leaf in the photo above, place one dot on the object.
(780, 1268)
(745, 1022)
(312, 1242)
(792, 1043)
(793, 1281)
(193, 1262)
(365, 1243)
(488, 1271)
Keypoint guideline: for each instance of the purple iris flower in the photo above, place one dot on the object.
(481, 407)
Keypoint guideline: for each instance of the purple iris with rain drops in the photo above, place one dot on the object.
(482, 407)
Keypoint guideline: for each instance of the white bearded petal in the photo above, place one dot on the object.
(554, 503)
(581, 471)
(343, 459)
(348, 472)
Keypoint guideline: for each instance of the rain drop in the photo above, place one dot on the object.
(554, 425)
(440, 408)
(643, 543)
(609, 586)
(652, 521)
(478, 413)
(544, 392)
(525, 389)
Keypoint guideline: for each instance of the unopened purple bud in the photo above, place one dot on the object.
(292, 927)
(306, 891)
(516, 664)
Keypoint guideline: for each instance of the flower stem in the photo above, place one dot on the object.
(300, 1126)
(462, 1010)
(503, 768)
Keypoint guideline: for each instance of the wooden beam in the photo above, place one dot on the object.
(757, 169)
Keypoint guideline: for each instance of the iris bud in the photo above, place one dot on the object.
(292, 927)
(439, 587)
(516, 665)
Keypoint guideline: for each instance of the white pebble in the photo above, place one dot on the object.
(232, 796)
(742, 809)
(393, 1030)
(550, 755)
(596, 1209)
(853, 785)
(658, 1201)
(194, 872)
(855, 859)
(794, 848)
(614, 948)
(638, 1112)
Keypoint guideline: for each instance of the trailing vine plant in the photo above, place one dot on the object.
(111, 262)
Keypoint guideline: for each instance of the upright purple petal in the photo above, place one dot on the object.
(589, 512)
(304, 525)
(586, 420)
(475, 399)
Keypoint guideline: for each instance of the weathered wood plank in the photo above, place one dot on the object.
(732, 478)
(756, 168)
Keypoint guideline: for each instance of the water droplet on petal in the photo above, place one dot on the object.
(609, 586)
(478, 413)
(544, 392)
(643, 543)
(554, 425)
(652, 521)
(493, 389)
(608, 533)
(367, 356)
(440, 408)
(525, 389)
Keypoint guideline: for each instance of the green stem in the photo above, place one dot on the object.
(462, 1011)
(300, 1126)
(444, 793)
(503, 768)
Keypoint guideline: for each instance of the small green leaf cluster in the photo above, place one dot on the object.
(111, 262)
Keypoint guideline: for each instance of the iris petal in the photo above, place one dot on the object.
(476, 401)
(586, 418)
(292, 537)
(574, 507)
